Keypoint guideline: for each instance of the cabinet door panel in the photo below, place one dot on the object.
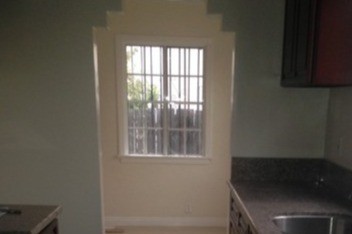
(304, 29)
(289, 45)
(52, 228)
(298, 38)
(317, 43)
(333, 61)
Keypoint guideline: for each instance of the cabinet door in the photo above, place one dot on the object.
(333, 63)
(239, 220)
(298, 42)
(52, 228)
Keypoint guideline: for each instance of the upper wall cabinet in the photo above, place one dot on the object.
(317, 48)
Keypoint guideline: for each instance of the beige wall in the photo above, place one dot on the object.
(48, 128)
(339, 128)
(268, 120)
(271, 121)
(145, 190)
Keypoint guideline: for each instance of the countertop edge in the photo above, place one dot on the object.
(242, 205)
(261, 202)
(45, 222)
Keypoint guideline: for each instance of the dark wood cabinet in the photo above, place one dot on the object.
(317, 47)
(52, 228)
(34, 219)
(239, 220)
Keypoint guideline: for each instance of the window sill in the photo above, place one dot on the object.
(164, 160)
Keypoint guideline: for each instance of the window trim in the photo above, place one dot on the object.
(121, 41)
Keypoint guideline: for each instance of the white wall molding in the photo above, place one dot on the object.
(111, 222)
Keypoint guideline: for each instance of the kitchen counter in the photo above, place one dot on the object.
(32, 219)
(264, 200)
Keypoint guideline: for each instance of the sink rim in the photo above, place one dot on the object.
(307, 222)
(293, 223)
(312, 216)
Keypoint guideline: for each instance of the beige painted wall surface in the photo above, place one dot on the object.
(164, 190)
(269, 120)
(48, 128)
(339, 128)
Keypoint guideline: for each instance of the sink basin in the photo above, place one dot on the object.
(314, 224)
(2, 213)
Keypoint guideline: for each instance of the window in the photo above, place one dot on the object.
(163, 101)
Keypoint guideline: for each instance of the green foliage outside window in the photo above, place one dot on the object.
(138, 92)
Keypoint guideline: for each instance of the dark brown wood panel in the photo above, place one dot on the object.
(333, 62)
(317, 49)
(52, 228)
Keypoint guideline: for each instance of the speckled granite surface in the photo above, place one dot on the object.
(270, 187)
(275, 169)
(31, 220)
(264, 200)
(338, 181)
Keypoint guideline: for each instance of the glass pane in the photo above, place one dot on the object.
(144, 60)
(182, 61)
(154, 114)
(194, 61)
(148, 60)
(174, 61)
(186, 61)
(200, 89)
(131, 141)
(176, 91)
(135, 87)
(195, 85)
(176, 145)
(200, 116)
(135, 55)
(201, 62)
(160, 87)
(153, 88)
(176, 115)
(155, 142)
(192, 116)
(135, 114)
(193, 143)
(129, 59)
(135, 141)
(157, 60)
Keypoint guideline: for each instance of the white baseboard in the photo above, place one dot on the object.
(111, 222)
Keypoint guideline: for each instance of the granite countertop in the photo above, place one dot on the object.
(31, 220)
(264, 200)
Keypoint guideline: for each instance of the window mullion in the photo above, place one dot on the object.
(179, 88)
(165, 101)
(145, 134)
(161, 100)
(198, 100)
(187, 92)
(153, 119)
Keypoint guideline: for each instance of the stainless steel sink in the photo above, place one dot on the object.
(314, 224)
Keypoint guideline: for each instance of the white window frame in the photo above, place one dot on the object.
(121, 41)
